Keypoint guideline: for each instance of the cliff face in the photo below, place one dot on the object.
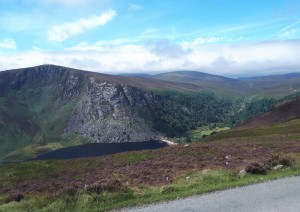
(109, 112)
(96, 110)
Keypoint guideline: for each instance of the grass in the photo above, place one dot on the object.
(205, 131)
(198, 182)
(289, 130)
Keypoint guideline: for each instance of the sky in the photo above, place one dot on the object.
(225, 37)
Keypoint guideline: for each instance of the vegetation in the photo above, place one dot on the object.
(34, 112)
(141, 177)
(178, 113)
(197, 183)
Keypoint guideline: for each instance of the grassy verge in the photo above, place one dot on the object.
(190, 183)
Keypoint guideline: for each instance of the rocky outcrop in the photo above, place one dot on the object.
(109, 112)
(53, 81)
(77, 103)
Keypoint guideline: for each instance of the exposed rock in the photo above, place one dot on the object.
(278, 167)
(242, 173)
(106, 115)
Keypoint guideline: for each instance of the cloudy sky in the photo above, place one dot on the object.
(227, 37)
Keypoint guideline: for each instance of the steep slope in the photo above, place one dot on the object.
(280, 113)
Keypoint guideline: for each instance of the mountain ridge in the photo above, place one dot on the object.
(47, 107)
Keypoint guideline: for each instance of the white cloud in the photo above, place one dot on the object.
(162, 55)
(8, 44)
(59, 33)
(288, 31)
(165, 48)
(202, 40)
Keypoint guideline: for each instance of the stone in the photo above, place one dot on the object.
(242, 173)
(278, 167)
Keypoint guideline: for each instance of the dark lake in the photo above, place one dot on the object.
(99, 149)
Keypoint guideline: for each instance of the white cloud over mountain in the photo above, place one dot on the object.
(162, 55)
(61, 32)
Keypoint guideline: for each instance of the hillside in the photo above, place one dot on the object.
(142, 177)
(220, 84)
(280, 113)
(48, 107)
(274, 85)
(267, 86)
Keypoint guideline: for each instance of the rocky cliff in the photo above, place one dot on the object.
(95, 109)
(109, 112)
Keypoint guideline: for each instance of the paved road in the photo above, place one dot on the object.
(279, 195)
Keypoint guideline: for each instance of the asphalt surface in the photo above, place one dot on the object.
(280, 195)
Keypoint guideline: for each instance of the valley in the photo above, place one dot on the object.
(49, 107)
(91, 121)
(109, 105)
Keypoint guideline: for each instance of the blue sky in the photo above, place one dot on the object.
(230, 37)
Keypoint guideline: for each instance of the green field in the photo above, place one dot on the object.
(202, 132)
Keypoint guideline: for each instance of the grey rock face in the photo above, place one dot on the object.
(95, 109)
(108, 113)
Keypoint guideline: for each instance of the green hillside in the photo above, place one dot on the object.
(49, 107)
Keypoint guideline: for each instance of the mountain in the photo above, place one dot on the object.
(267, 86)
(274, 85)
(215, 83)
(48, 107)
(282, 112)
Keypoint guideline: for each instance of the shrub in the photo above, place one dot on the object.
(110, 185)
(280, 160)
(256, 168)
(286, 161)
(14, 196)
(65, 190)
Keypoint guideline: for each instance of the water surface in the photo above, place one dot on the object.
(99, 149)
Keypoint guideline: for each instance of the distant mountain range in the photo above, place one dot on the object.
(260, 86)
(49, 107)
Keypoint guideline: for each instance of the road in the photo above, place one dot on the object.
(279, 195)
